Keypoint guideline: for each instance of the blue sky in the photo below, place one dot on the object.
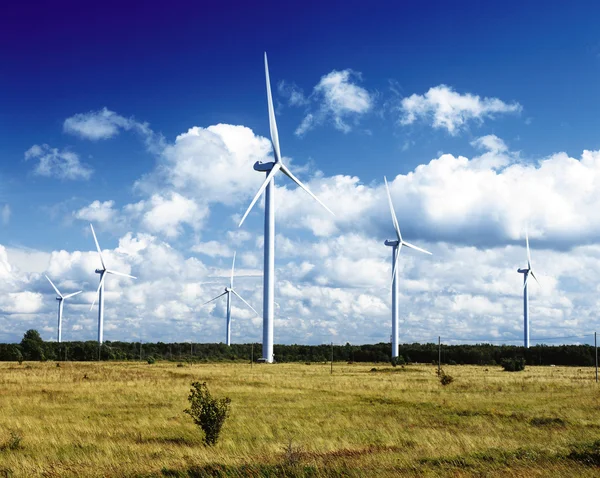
(399, 90)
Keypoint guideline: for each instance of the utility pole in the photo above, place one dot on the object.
(439, 354)
(331, 358)
(596, 349)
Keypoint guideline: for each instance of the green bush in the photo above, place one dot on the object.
(445, 379)
(513, 365)
(208, 413)
(151, 360)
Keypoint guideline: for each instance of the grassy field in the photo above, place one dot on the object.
(126, 419)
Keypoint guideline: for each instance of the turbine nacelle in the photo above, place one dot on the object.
(264, 167)
(392, 243)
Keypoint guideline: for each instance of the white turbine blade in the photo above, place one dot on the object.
(412, 246)
(260, 191)
(272, 122)
(528, 251)
(394, 219)
(71, 295)
(526, 281)
(120, 274)
(214, 299)
(242, 299)
(232, 267)
(98, 291)
(98, 247)
(54, 287)
(531, 272)
(289, 174)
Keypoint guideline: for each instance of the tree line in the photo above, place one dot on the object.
(32, 347)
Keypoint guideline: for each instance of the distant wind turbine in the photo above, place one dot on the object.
(100, 292)
(268, 186)
(526, 272)
(61, 298)
(228, 291)
(396, 246)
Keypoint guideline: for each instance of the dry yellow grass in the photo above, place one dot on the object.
(126, 419)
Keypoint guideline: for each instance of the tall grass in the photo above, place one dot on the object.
(126, 419)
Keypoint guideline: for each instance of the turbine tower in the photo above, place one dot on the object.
(271, 169)
(396, 246)
(61, 298)
(526, 272)
(100, 292)
(229, 290)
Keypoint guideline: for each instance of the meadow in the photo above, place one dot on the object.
(126, 419)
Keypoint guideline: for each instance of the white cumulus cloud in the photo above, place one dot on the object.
(62, 164)
(450, 110)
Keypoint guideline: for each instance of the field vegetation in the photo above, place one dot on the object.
(126, 419)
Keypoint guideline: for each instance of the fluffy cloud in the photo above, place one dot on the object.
(97, 212)
(210, 164)
(167, 214)
(53, 162)
(105, 124)
(449, 110)
(213, 249)
(337, 98)
(486, 200)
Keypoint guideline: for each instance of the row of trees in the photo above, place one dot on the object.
(32, 347)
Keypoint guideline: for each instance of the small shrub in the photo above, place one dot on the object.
(57, 365)
(208, 413)
(13, 442)
(513, 365)
(373, 369)
(180, 365)
(445, 379)
(151, 360)
(398, 361)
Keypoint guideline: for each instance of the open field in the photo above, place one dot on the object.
(126, 419)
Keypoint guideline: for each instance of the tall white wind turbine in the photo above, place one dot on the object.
(61, 298)
(100, 292)
(526, 272)
(228, 291)
(396, 246)
(271, 169)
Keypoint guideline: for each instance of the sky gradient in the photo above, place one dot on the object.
(147, 121)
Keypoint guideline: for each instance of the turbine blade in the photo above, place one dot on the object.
(289, 174)
(208, 302)
(260, 191)
(412, 246)
(528, 251)
(71, 295)
(272, 122)
(98, 291)
(394, 219)
(536, 279)
(232, 267)
(120, 274)
(52, 284)
(242, 299)
(98, 247)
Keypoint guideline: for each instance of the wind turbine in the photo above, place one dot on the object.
(100, 292)
(228, 291)
(60, 300)
(271, 169)
(526, 272)
(396, 246)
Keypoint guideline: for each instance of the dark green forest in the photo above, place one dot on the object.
(33, 348)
